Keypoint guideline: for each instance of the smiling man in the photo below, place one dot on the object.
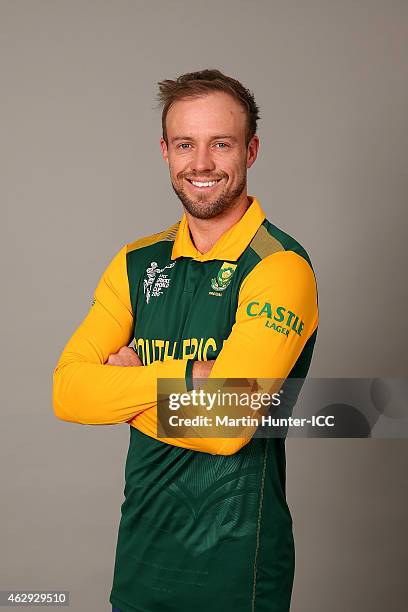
(222, 293)
(208, 162)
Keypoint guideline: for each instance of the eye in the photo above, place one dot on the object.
(183, 145)
(221, 145)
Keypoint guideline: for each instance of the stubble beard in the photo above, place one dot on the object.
(203, 209)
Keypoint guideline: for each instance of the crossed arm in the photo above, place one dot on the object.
(86, 391)
(126, 356)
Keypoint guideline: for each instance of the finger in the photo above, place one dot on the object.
(136, 359)
(112, 359)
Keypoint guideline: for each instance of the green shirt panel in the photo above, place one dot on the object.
(198, 531)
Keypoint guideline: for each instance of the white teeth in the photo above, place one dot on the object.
(208, 184)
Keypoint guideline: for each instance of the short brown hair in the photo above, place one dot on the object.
(197, 84)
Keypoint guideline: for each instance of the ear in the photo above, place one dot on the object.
(252, 150)
(164, 150)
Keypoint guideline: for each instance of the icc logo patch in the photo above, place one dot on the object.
(156, 281)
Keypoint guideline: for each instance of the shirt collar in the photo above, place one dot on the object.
(230, 245)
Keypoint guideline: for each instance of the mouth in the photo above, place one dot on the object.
(203, 185)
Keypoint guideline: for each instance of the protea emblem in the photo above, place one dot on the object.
(224, 276)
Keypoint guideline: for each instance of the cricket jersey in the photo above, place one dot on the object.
(204, 523)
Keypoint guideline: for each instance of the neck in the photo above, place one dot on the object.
(206, 232)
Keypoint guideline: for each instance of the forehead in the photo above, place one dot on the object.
(213, 113)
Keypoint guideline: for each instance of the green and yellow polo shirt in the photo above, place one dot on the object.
(204, 523)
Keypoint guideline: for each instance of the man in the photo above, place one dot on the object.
(221, 293)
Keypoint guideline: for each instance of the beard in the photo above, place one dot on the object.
(201, 208)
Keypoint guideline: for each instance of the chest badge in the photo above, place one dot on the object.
(224, 276)
(156, 281)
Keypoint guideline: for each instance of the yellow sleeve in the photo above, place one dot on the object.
(278, 294)
(87, 391)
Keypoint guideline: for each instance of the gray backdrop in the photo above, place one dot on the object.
(81, 174)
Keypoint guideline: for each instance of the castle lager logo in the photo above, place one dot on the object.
(224, 276)
(280, 318)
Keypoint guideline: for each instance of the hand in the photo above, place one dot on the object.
(125, 356)
(202, 369)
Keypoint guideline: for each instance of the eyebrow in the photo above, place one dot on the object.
(221, 137)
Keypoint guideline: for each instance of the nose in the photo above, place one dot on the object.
(202, 160)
